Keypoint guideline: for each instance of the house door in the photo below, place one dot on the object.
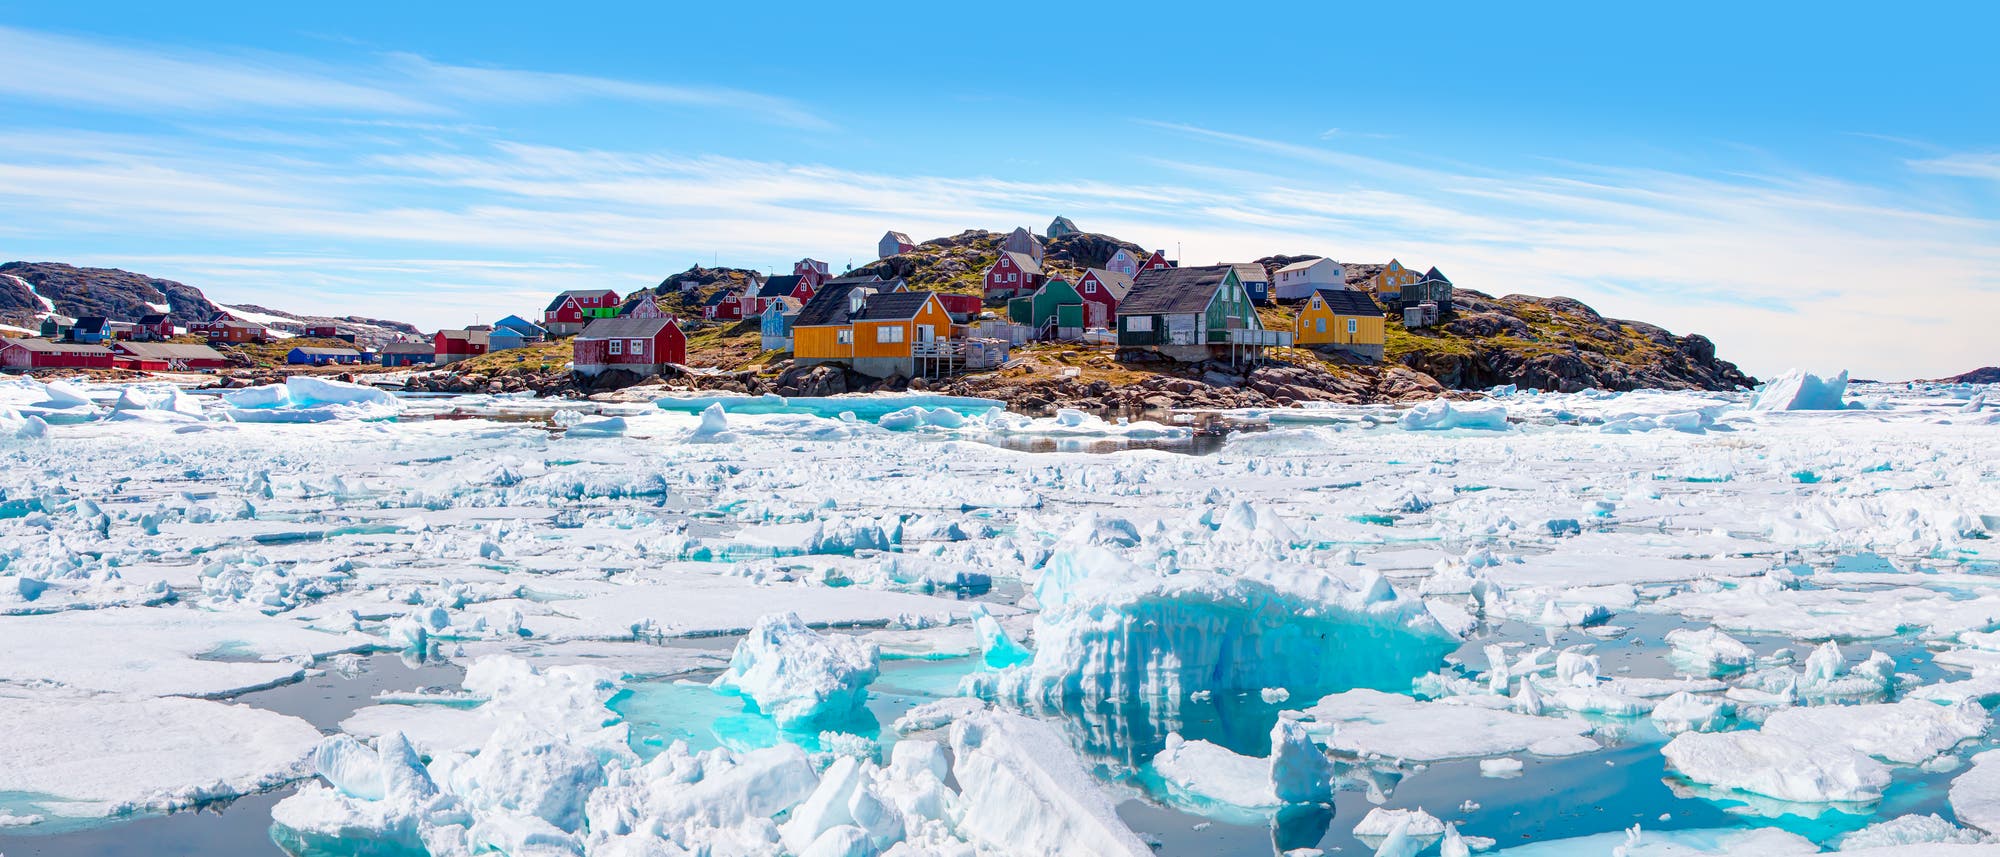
(1094, 315)
(926, 334)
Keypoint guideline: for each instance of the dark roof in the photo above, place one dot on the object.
(828, 306)
(1432, 275)
(169, 351)
(890, 306)
(151, 319)
(408, 348)
(330, 352)
(557, 301)
(899, 237)
(625, 327)
(855, 279)
(1250, 272)
(58, 347)
(777, 287)
(89, 323)
(721, 296)
(1344, 301)
(1173, 290)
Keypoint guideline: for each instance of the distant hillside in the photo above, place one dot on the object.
(30, 290)
(957, 264)
(1982, 375)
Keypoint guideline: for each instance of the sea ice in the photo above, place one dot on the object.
(1024, 791)
(1778, 766)
(795, 674)
(1798, 390)
(1373, 723)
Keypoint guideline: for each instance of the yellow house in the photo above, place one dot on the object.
(872, 332)
(1339, 318)
(1391, 279)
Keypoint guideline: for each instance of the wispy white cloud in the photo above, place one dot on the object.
(1974, 165)
(147, 79)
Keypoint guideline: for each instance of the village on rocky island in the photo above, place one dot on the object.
(1067, 318)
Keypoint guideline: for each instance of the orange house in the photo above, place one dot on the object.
(1390, 280)
(875, 333)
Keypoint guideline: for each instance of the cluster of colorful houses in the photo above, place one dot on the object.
(873, 325)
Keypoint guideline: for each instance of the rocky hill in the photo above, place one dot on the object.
(956, 264)
(28, 290)
(1557, 344)
(1981, 375)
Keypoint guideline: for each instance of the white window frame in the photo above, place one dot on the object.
(1139, 324)
(637, 348)
(616, 348)
(1353, 325)
(888, 333)
(1090, 287)
(1010, 278)
(845, 336)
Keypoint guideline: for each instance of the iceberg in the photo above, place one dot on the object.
(1798, 390)
(1024, 791)
(1777, 766)
(1975, 794)
(1442, 414)
(1372, 723)
(796, 675)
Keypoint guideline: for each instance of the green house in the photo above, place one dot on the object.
(1193, 313)
(1055, 311)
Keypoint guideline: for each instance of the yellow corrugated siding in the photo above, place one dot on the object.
(819, 343)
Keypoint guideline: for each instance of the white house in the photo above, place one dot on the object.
(1298, 280)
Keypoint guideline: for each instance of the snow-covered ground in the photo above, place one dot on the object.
(1665, 623)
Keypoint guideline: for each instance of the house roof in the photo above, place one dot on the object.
(1345, 301)
(151, 319)
(784, 305)
(1025, 262)
(893, 306)
(899, 237)
(625, 327)
(777, 287)
(328, 352)
(408, 348)
(515, 322)
(90, 323)
(855, 279)
(169, 351)
(1432, 275)
(1250, 272)
(557, 301)
(481, 335)
(722, 296)
(1117, 282)
(828, 306)
(1173, 290)
(1302, 265)
(48, 347)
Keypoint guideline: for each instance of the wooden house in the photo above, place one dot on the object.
(1388, 283)
(329, 331)
(642, 346)
(90, 329)
(893, 244)
(1102, 290)
(1062, 226)
(1123, 262)
(451, 346)
(642, 305)
(1255, 279)
(408, 354)
(528, 331)
(312, 356)
(1054, 311)
(1156, 262)
(813, 271)
(234, 332)
(1341, 318)
(1012, 275)
(21, 355)
(775, 325)
(153, 327)
(875, 333)
(170, 356)
(1024, 242)
(1194, 313)
(570, 311)
(725, 305)
(1431, 288)
(56, 326)
(798, 287)
(1298, 280)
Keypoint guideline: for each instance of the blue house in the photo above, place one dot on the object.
(1256, 282)
(776, 323)
(408, 354)
(90, 328)
(529, 331)
(304, 356)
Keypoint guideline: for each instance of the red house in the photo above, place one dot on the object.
(237, 332)
(451, 345)
(1101, 291)
(569, 311)
(812, 270)
(962, 307)
(1156, 262)
(642, 346)
(152, 327)
(724, 305)
(21, 355)
(1013, 274)
(798, 287)
(164, 356)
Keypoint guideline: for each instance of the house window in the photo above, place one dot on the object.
(889, 334)
(1353, 324)
(617, 346)
(1321, 325)
(1010, 278)
(1139, 324)
(638, 348)
(1090, 288)
(845, 337)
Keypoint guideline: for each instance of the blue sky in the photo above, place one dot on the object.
(1815, 186)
